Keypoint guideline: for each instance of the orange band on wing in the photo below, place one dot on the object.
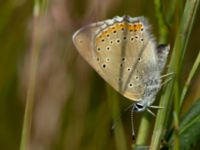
(116, 27)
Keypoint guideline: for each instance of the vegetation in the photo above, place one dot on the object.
(50, 98)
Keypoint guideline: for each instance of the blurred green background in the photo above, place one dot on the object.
(71, 107)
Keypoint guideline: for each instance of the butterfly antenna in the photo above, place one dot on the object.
(132, 125)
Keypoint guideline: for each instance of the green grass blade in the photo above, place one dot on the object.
(188, 81)
(173, 87)
(35, 50)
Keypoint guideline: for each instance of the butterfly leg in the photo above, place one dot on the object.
(151, 112)
(167, 75)
(154, 107)
(167, 81)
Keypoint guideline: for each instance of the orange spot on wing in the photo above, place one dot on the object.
(138, 26)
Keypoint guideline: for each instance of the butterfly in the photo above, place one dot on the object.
(125, 54)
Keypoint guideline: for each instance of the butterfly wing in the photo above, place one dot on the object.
(121, 51)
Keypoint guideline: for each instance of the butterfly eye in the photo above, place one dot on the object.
(139, 106)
